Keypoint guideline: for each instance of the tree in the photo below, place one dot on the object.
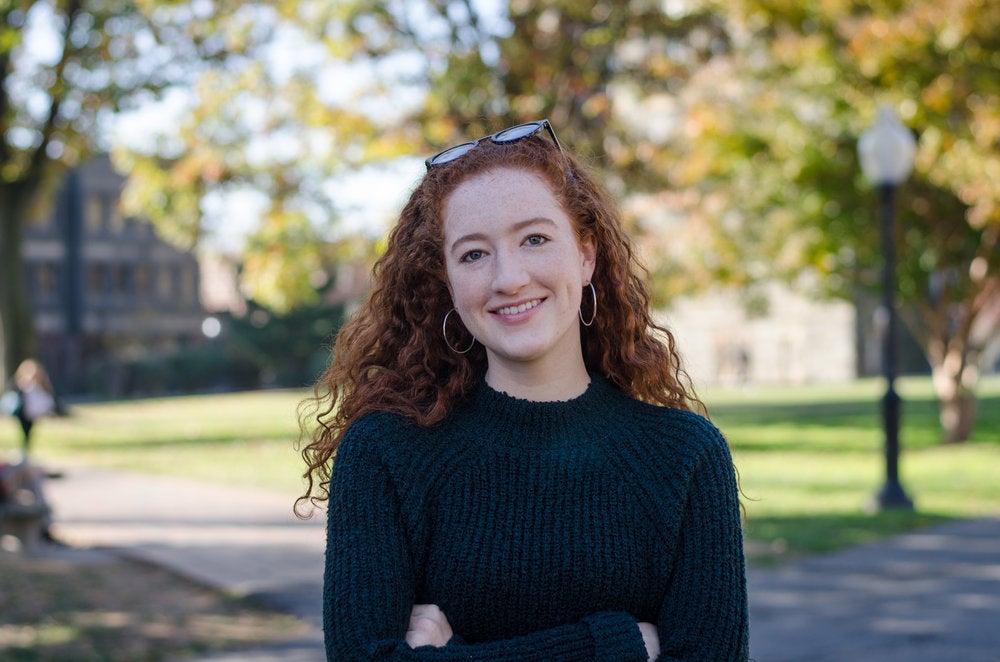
(65, 67)
(567, 60)
(741, 119)
(265, 126)
(767, 163)
(372, 82)
(735, 123)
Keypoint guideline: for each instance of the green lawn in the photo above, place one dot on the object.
(810, 458)
(240, 438)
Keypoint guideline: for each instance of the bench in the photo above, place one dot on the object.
(24, 512)
(22, 523)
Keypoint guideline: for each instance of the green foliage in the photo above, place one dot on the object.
(417, 75)
(261, 349)
(778, 139)
(290, 350)
(767, 169)
(268, 124)
(65, 69)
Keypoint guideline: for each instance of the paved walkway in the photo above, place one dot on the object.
(245, 542)
(926, 596)
(932, 596)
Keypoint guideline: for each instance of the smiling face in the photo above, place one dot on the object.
(516, 272)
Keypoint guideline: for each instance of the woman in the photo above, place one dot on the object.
(518, 473)
(34, 389)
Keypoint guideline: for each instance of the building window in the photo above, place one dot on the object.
(46, 281)
(188, 293)
(165, 283)
(41, 221)
(142, 280)
(116, 221)
(120, 281)
(95, 280)
(94, 213)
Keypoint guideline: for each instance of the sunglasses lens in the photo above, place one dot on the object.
(510, 135)
(450, 154)
(517, 132)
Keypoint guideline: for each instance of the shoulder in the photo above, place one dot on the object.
(378, 433)
(676, 433)
(660, 420)
(394, 442)
(374, 426)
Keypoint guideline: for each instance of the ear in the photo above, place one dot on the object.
(588, 253)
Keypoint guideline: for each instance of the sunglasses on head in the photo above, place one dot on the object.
(508, 135)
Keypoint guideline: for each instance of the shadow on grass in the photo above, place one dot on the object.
(113, 609)
(841, 425)
(774, 540)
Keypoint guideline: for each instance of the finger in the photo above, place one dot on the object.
(424, 610)
(416, 638)
(428, 626)
(424, 631)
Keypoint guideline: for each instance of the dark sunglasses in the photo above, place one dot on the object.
(509, 135)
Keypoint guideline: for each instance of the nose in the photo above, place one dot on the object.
(509, 273)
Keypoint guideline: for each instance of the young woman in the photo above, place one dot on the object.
(506, 442)
(35, 398)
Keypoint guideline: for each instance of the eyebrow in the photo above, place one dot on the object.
(519, 226)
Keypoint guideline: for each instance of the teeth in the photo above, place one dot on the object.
(513, 310)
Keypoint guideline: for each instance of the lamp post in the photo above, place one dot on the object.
(887, 151)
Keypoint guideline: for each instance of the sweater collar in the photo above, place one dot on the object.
(495, 416)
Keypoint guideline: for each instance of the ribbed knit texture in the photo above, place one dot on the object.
(544, 531)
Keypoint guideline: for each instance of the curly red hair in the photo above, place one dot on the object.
(392, 356)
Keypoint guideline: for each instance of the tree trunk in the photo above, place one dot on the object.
(955, 378)
(18, 330)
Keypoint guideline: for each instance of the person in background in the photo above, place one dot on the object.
(35, 398)
(514, 464)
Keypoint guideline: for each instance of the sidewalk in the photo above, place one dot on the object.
(933, 595)
(245, 542)
(919, 597)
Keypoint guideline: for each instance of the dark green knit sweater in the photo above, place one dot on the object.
(543, 530)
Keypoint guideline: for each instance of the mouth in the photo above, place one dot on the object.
(519, 308)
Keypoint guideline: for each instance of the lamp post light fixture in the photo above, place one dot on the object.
(887, 151)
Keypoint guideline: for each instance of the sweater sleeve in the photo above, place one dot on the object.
(705, 615)
(370, 578)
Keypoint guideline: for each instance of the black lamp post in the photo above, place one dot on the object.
(887, 151)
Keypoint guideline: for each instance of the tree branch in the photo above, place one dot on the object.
(57, 94)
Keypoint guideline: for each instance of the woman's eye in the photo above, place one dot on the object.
(471, 256)
(536, 240)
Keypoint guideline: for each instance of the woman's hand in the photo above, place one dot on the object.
(428, 627)
(651, 639)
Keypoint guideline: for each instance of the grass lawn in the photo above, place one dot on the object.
(810, 458)
(234, 438)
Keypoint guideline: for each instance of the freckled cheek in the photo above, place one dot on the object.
(467, 292)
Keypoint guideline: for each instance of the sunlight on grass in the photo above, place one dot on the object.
(242, 439)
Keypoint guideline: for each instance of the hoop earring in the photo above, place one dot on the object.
(593, 294)
(444, 332)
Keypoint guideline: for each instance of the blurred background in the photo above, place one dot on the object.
(192, 193)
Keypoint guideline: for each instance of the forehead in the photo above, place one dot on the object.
(496, 197)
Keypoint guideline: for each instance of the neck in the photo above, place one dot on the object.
(539, 385)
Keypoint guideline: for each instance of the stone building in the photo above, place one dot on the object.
(104, 289)
(795, 341)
